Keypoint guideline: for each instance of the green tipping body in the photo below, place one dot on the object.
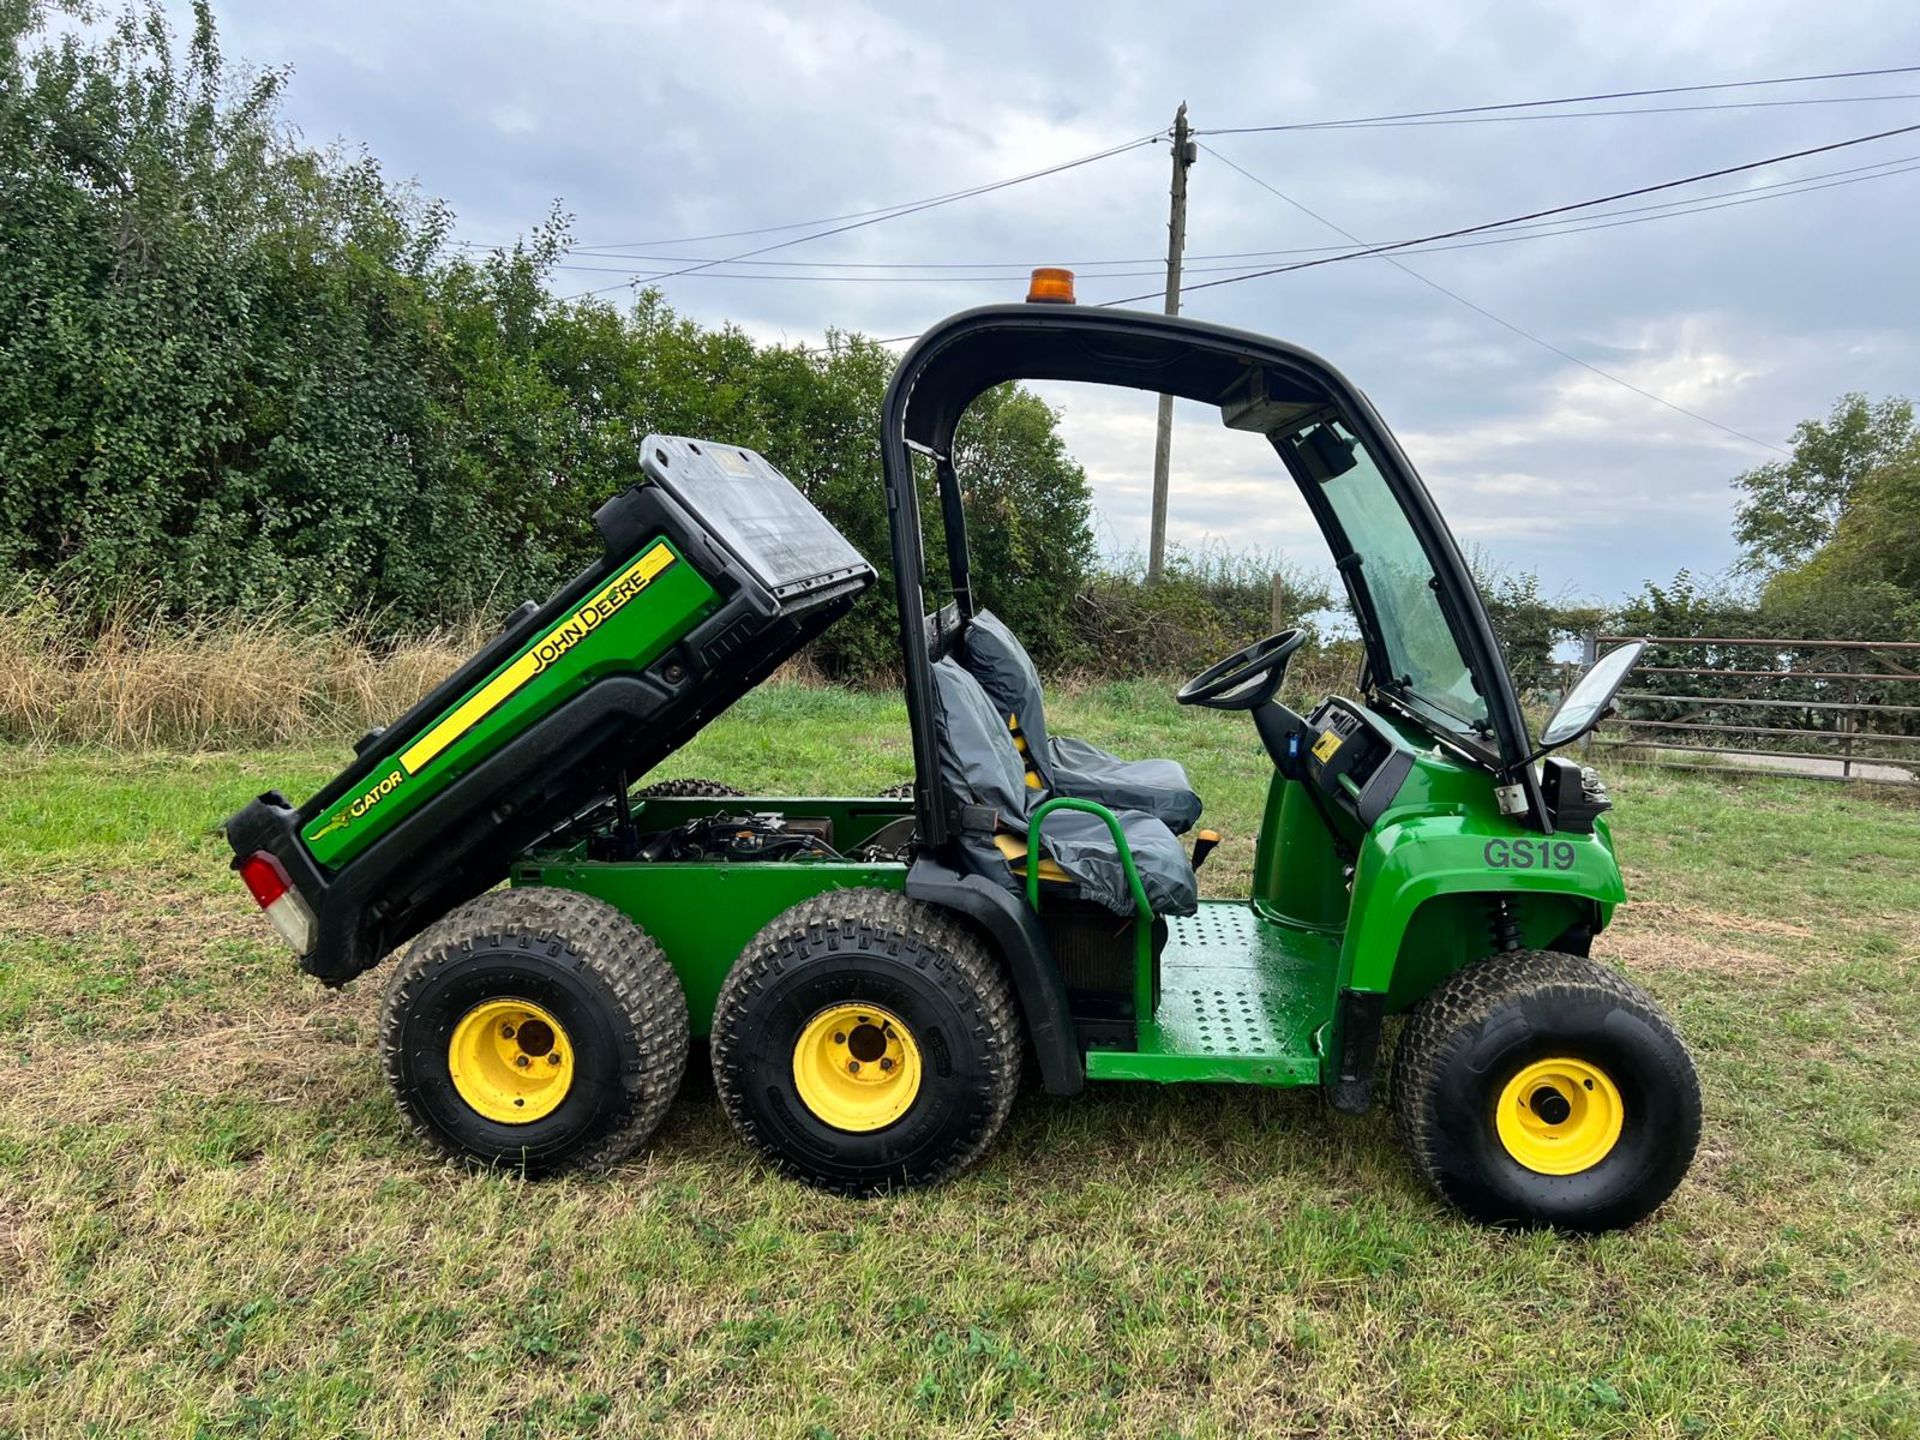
(623, 625)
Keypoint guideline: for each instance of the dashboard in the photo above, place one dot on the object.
(1353, 761)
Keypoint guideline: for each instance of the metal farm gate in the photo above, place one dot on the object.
(1821, 709)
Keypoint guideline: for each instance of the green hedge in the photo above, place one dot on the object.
(237, 372)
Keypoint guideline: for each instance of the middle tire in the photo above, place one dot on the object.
(688, 789)
(865, 1042)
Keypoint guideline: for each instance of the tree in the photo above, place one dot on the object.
(1869, 571)
(1878, 537)
(1530, 625)
(1792, 505)
(1030, 514)
(216, 356)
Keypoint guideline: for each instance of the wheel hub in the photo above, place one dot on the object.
(1559, 1116)
(1550, 1105)
(511, 1061)
(856, 1067)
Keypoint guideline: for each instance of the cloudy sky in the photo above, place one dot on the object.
(654, 121)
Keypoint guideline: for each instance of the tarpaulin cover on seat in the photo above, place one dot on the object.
(979, 764)
(996, 658)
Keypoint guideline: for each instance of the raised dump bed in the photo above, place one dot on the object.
(715, 569)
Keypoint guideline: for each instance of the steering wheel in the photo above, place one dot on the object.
(1246, 679)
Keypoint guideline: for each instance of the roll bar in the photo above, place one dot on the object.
(1260, 384)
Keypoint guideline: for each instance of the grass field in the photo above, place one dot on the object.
(212, 1222)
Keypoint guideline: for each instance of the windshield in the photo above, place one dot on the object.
(1423, 658)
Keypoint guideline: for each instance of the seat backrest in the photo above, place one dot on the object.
(995, 657)
(978, 761)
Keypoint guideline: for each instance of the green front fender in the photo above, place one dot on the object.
(1406, 864)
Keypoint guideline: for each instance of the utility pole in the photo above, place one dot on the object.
(1184, 152)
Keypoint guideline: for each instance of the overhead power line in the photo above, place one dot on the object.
(1482, 310)
(1906, 165)
(1573, 114)
(1511, 105)
(904, 206)
(947, 197)
(1519, 233)
(884, 340)
(1513, 220)
(1410, 115)
(896, 212)
(1672, 210)
(1000, 272)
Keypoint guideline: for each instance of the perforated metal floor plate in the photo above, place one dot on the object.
(1240, 1000)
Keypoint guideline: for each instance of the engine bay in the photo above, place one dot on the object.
(705, 832)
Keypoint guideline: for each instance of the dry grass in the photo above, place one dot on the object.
(141, 681)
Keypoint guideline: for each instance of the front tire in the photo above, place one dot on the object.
(865, 1042)
(1535, 1089)
(538, 1029)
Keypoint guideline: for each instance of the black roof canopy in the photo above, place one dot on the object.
(959, 359)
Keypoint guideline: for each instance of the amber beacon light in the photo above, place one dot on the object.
(1050, 286)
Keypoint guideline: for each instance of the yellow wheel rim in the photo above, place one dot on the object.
(1560, 1116)
(856, 1067)
(511, 1061)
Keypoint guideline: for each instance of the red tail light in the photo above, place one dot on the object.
(267, 878)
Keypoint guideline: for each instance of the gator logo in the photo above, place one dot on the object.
(379, 792)
(362, 803)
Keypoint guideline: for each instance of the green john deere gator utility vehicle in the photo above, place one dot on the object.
(872, 970)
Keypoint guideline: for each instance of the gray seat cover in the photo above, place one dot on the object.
(1159, 787)
(978, 761)
(997, 659)
(980, 765)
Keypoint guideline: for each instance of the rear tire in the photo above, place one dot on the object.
(934, 1009)
(601, 1042)
(688, 790)
(1535, 1088)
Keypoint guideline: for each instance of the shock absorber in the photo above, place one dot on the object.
(1504, 924)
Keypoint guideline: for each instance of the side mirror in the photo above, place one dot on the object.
(1587, 703)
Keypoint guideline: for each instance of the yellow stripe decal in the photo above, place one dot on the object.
(549, 648)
